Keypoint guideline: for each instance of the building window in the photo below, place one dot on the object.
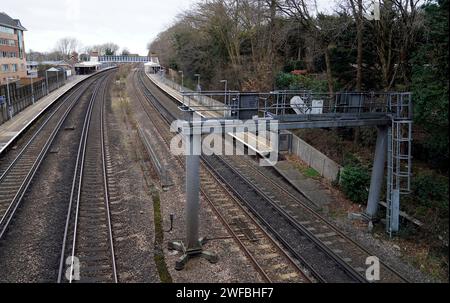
(14, 68)
(5, 68)
(8, 42)
(8, 55)
(6, 30)
(20, 43)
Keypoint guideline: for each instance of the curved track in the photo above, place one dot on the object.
(326, 263)
(268, 258)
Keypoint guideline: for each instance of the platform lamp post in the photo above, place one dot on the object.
(46, 81)
(182, 78)
(63, 72)
(32, 88)
(198, 82)
(57, 78)
(10, 112)
(226, 84)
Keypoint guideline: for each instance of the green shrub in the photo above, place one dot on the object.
(431, 190)
(298, 82)
(355, 181)
(351, 160)
(294, 64)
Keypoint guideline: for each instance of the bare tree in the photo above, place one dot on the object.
(106, 49)
(66, 46)
(320, 30)
(110, 49)
(358, 12)
(296, 9)
(395, 34)
(125, 52)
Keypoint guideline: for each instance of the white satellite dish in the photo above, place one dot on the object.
(298, 105)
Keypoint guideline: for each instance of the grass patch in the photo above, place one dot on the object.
(311, 173)
(160, 261)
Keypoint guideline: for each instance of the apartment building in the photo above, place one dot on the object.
(12, 49)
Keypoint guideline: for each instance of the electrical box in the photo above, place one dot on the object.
(285, 141)
(317, 107)
(349, 102)
(248, 106)
(395, 211)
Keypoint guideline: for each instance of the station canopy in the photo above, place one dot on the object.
(88, 64)
(151, 64)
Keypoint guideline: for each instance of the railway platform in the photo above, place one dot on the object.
(258, 144)
(202, 111)
(12, 129)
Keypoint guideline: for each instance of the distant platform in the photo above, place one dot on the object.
(12, 129)
(175, 94)
(256, 143)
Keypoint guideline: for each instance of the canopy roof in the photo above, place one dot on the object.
(152, 64)
(88, 64)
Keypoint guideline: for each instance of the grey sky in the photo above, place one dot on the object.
(129, 23)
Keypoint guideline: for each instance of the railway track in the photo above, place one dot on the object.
(18, 174)
(324, 250)
(88, 246)
(324, 265)
(348, 250)
(268, 258)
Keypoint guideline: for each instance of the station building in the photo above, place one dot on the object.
(153, 66)
(87, 67)
(13, 64)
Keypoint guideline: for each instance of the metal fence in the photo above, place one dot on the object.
(285, 105)
(294, 103)
(15, 98)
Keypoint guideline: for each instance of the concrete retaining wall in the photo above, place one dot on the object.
(326, 167)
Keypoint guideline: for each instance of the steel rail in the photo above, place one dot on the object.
(323, 219)
(219, 214)
(353, 274)
(339, 260)
(316, 274)
(80, 158)
(16, 201)
(105, 184)
(77, 183)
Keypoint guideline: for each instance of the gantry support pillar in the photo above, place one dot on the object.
(194, 243)
(379, 164)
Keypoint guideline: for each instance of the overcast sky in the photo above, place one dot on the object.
(128, 23)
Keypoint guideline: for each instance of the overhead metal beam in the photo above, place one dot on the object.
(199, 127)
